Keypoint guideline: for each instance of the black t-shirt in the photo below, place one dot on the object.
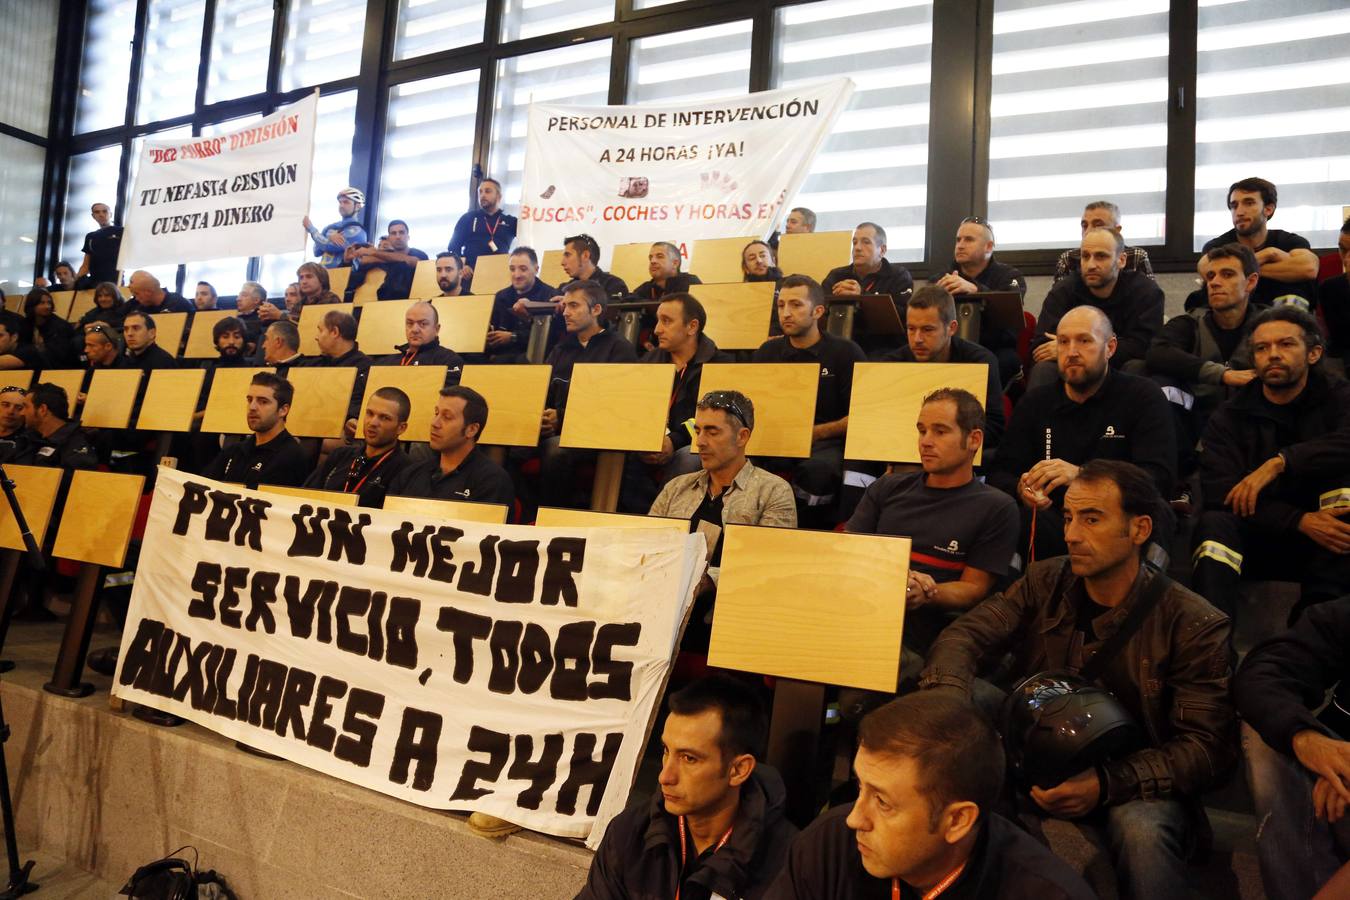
(836, 357)
(1268, 290)
(477, 479)
(710, 511)
(281, 461)
(29, 355)
(103, 245)
(675, 284)
(1228, 339)
(151, 358)
(350, 471)
(398, 277)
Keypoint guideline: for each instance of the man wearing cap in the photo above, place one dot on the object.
(332, 242)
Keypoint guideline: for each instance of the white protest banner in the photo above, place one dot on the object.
(243, 193)
(703, 169)
(505, 669)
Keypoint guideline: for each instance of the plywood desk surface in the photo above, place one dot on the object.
(200, 344)
(515, 397)
(718, 259)
(328, 498)
(171, 400)
(226, 406)
(322, 399)
(98, 516)
(738, 312)
(553, 517)
(111, 398)
(460, 510)
(491, 274)
(814, 254)
(36, 488)
(629, 262)
(886, 400)
(618, 406)
(784, 396)
(310, 317)
(423, 386)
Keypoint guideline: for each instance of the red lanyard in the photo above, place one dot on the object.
(937, 888)
(684, 854)
(491, 228)
(409, 355)
(351, 472)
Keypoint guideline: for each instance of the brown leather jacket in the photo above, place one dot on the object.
(1173, 674)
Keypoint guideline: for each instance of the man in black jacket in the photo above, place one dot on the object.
(1132, 301)
(508, 334)
(586, 341)
(680, 320)
(974, 270)
(53, 439)
(716, 828)
(930, 325)
(457, 470)
(1095, 413)
(1202, 358)
(422, 328)
(1172, 675)
(138, 329)
(871, 273)
(271, 454)
(366, 469)
(663, 264)
(1297, 765)
(929, 770)
(1275, 472)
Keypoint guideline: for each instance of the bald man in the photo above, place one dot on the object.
(151, 296)
(1093, 412)
(422, 328)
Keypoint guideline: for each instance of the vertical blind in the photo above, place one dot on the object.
(109, 27)
(1079, 113)
(241, 42)
(661, 66)
(173, 46)
(430, 26)
(27, 58)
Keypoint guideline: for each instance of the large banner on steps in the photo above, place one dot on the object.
(241, 193)
(505, 669)
(688, 171)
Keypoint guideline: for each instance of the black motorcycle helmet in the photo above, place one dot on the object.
(1056, 725)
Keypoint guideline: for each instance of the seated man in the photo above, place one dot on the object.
(1133, 303)
(508, 334)
(716, 828)
(206, 296)
(227, 335)
(586, 341)
(1297, 765)
(964, 532)
(254, 313)
(366, 469)
(1171, 674)
(422, 328)
(930, 770)
(148, 294)
(103, 347)
(448, 266)
(16, 352)
(331, 243)
(458, 470)
(800, 220)
(663, 263)
(395, 257)
(314, 286)
(13, 406)
(974, 270)
(680, 320)
(1275, 472)
(1103, 214)
(336, 336)
(801, 309)
(56, 441)
(930, 324)
(281, 345)
(1288, 265)
(138, 329)
(1095, 413)
(581, 262)
(1202, 358)
(727, 490)
(271, 454)
(757, 263)
(871, 273)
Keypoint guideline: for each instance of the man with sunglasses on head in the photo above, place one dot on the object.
(728, 489)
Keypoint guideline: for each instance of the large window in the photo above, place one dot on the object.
(429, 26)
(27, 55)
(577, 74)
(875, 165)
(323, 41)
(531, 18)
(20, 202)
(428, 156)
(109, 27)
(241, 42)
(173, 45)
(1273, 101)
(332, 172)
(1079, 112)
(662, 65)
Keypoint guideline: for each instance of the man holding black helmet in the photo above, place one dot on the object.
(1158, 648)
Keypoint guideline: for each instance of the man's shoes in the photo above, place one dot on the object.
(104, 661)
(488, 826)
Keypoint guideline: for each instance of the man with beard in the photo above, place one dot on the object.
(206, 296)
(483, 231)
(1095, 413)
(1288, 266)
(448, 266)
(366, 469)
(757, 263)
(1275, 472)
(457, 470)
(228, 335)
(271, 454)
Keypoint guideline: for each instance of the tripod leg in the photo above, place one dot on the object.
(18, 883)
(9, 569)
(75, 642)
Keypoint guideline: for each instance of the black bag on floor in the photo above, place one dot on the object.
(173, 878)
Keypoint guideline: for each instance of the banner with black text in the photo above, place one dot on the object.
(688, 171)
(505, 669)
(242, 193)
